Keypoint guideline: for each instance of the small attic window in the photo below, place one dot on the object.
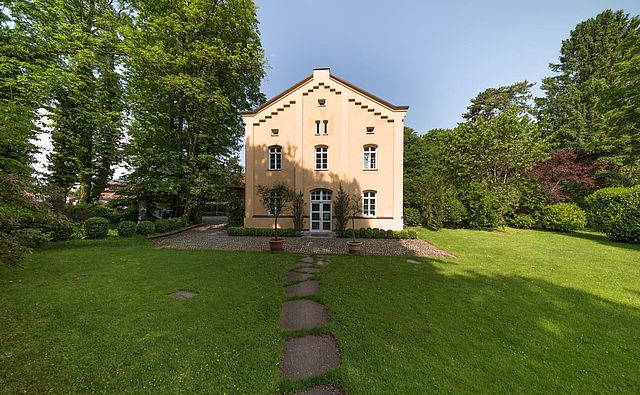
(370, 129)
(275, 132)
(321, 102)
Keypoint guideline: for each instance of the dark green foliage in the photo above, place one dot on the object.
(341, 204)
(485, 208)
(522, 221)
(240, 231)
(298, 210)
(145, 228)
(368, 233)
(83, 211)
(389, 234)
(96, 228)
(58, 227)
(454, 213)
(126, 228)
(494, 101)
(564, 217)
(275, 199)
(616, 212)
(235, 213)
(412, 217)
(169, 224)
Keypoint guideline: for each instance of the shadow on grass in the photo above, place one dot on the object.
(420, 329)
(600, 238)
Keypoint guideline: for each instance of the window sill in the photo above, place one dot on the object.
(321, 169)
(369, 169)
(275, 169)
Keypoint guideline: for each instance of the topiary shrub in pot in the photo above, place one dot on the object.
(126, 228)
(145, 228)
(275, 200)
(96, 228)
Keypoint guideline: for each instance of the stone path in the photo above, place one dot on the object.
(214, 237)
(307, 355)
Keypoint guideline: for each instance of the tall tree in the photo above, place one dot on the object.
(570, 114)
(87, 101)
(194, 66)
(494, 101)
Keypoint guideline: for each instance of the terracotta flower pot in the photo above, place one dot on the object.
(276, 245)
(355, 247)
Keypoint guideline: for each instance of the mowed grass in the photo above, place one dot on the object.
(515, 312)
(94, 316)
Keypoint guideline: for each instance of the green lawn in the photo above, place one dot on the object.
(515, 311)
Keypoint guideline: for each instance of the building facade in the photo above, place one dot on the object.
(321, 133)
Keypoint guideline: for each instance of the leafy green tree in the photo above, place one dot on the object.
(193, 67)
(494, 101)
(571, 114)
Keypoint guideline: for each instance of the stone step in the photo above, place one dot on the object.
(305, 288)
(303, 314)
(309, 356)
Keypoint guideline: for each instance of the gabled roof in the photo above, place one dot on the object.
(335, 78)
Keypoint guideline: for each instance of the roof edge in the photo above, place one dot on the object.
(277, 97)
(370, 95)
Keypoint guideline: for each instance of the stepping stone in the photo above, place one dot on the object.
(309, 356)
(303, 314)
(309, 270)
(295, 276)
(307, 259)
(303, 264)
(414, 261)
(183, 294)
(305, 288)
(322, 263)
(321, 390)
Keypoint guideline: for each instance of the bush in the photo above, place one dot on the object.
(59, 228)
(522, 221)
(83, 211)
(453, 211)
(178, 222)
(235, 214)
(168, 224)
(412, 217)
(145, 228)
(564, 217)
(616, 211)
(389, 234)
(265, 232)
(126, 228)
(349, 233)
(368, 233)
(96, 228)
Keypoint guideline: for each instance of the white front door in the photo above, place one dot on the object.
(321, 211)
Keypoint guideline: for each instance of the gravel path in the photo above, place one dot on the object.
(214, 237)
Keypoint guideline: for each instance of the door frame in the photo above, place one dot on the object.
(321, 211)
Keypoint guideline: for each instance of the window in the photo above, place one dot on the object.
(322, 154)
(275, 158)
(317, 127)
(370, 157)
(370, 129)
(326, 127)
(275, 132)
(321, 102)
(369, 204)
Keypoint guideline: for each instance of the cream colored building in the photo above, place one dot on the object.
(318, 134)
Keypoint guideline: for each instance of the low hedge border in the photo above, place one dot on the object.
(173, 232)
(375, 233)
(266, 232)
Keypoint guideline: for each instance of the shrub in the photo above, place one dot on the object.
(412, 234)
(83, 211)
(168, 224)
(145, 228)
(349, 233)
(266, 232)
(96, 228)
(375, 233)
(389, 234)
(341, 204)
(178, 222)
(412, 217)
(235, 214)
(564, 217)
(616, 211)
(297, 210)
(522, 221)
(126, 228)
(59, 228)
(453, 211)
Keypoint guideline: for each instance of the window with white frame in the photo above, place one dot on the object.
(317, 128)
(369, 204)
(322, 158)
(370, 157)
(275, 157)
(326, 127)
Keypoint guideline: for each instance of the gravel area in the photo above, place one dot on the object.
(214, 237)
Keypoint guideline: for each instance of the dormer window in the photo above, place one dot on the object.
(370, 129)
(275, 132)
(321, 102)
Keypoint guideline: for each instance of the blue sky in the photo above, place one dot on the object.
(431, 55)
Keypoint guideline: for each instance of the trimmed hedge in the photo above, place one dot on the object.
(616, 212)
(145, 228)
(96, 228)
(564, 217)
(375, 233)
(126, 228)
(170, 224)
(266, 232)
(412, 216)
(522, 221)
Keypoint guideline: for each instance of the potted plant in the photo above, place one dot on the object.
(275, 199)
(355, 247)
